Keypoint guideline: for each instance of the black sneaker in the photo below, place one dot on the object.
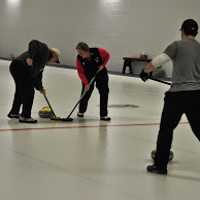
(80, 115)
(106, 118)
(13, 116)
(27, 120)
(156, 170)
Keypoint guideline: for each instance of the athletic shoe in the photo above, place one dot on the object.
(106, 118)
(156, 170)
(80, 115)
(27, 120)
(13, 116)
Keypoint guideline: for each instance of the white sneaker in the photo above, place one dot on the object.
(106, 118)
(80, 115)
(27, 120)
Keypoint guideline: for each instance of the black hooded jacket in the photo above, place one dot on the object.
(39, 53)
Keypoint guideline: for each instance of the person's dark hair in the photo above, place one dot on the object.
(82, 46)
(38, 51)
(190, 27)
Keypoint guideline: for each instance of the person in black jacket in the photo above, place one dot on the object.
(26, 71)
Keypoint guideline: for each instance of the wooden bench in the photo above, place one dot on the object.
(130, 61)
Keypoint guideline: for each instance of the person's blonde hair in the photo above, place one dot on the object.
(56, 51)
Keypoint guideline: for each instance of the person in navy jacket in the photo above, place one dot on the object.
(89, 61)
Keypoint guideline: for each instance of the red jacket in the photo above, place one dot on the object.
(105, 57)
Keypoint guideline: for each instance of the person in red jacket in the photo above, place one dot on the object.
(89, 61)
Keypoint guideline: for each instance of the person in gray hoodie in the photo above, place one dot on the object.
(184, 95)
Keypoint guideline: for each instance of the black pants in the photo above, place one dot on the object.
(176, 104)
(24, 89)
(102, 86)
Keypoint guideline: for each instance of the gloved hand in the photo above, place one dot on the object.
(101, 67)
(145, 76)
(87, 88)
(43, 91)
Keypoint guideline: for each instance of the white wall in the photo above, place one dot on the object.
(124, 27)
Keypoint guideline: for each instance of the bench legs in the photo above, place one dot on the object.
(127, 63)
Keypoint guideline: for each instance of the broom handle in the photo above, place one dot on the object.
(49, 104)
(160, 81)
(83, 95)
